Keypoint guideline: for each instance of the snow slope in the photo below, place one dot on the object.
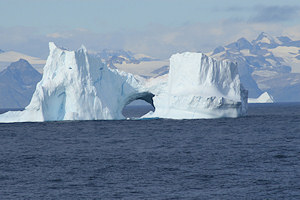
(290, 55)
(11, 56)
(143, 68)
(264, 64)
(264, 98)
(79, 86)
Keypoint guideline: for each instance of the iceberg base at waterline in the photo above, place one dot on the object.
(79, 86)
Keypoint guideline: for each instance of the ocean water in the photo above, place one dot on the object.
(252, 157)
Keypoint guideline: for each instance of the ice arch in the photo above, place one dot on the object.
(138, 105)
(146, 96)
(79, 86)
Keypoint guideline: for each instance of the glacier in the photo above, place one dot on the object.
(79, 86)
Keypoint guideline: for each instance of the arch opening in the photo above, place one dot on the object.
(138, 105)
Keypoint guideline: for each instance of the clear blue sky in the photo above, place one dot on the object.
(140, 25)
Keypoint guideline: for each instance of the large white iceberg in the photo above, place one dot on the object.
(79, 86)
(200, 87)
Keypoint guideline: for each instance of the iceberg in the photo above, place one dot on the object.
(79, 86)
(263, 98)
(200, 87)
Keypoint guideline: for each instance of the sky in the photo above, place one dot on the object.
(157, 28)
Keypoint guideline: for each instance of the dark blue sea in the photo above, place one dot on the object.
(252, 157)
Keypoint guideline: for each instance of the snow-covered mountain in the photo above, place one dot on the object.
(127, 61)
(17, 84)
(266, 64)
(146, 69)
(161, 71)
(12, 56)
(113, 57)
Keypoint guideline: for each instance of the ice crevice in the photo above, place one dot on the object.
(79, 86)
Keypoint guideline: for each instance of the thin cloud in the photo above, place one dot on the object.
(236, 9)
(272, 14)
(59, 35)
(157, 41)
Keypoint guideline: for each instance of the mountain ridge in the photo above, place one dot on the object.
(265, 64)
(17, 84)
(263, 61)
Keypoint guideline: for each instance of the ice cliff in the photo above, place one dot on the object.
(200, 87)
(79, 86)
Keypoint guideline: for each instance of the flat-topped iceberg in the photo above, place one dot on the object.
(79, 86)
(200, 87)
